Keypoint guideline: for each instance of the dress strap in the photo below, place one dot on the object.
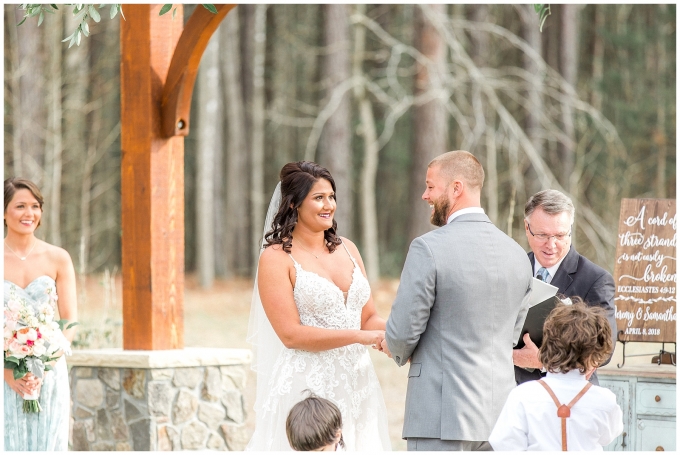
(350, 255)
(564, 411)
(294, 261)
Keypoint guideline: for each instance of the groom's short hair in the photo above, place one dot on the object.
(462, 165)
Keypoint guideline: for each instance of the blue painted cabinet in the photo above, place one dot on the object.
(647, 396)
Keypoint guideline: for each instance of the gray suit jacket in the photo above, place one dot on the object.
(459, 311)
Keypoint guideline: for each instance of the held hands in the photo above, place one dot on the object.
(372, 338)
(22, 386)
(527, 357)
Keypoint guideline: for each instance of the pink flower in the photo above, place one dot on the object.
(14, 306)
(18, 350)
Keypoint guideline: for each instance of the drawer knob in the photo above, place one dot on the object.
(657, 398)
(659, 449)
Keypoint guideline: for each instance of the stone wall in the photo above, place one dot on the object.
(179, 401)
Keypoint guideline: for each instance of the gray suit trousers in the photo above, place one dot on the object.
(432, 444)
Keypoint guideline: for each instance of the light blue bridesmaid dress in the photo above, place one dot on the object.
(49, 429)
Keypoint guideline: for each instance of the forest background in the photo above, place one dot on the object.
(373, 92)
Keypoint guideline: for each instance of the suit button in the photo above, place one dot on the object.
(398, 359)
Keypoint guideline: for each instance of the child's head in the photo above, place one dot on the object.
(314, 424)
(575, 337)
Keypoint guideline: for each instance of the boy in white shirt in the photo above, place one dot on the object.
(576, 339)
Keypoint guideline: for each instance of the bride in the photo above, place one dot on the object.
(313, 317)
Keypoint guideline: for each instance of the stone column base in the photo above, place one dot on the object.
(185, 399)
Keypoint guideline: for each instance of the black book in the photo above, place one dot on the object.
(533, 324)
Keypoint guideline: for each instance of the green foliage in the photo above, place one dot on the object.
(84, 12)
(543, 12)
(168, 6)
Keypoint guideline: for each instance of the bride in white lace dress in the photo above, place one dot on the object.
(313, 317)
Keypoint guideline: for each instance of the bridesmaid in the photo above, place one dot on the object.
(34, 270)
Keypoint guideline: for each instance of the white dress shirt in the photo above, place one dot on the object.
(551, 270)
(464, 211)
(529, 419)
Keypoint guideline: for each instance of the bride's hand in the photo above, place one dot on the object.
(371, 337)
(21, 386)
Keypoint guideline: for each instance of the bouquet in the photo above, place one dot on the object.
(32, 339)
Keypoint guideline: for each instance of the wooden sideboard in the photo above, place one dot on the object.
(646, 394)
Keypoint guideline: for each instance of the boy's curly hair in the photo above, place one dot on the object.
(575, 336)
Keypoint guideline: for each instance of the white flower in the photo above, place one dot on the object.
(25, 334)
(39, 348)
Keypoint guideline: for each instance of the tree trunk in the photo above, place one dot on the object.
(284, 86)
(76, 131)
(369, 216)
(598, 57)
(258, 110)
(31, 59)
(209, 198)
(236, 232)
(429, 120)
(484, 116)
(534, 111)
(660, 136)
(569, 68)
(336, 140)
(12, 51)
(54, 31)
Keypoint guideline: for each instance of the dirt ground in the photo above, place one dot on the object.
(219, 318)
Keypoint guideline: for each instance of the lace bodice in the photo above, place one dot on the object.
(322, 304)
(344, 375)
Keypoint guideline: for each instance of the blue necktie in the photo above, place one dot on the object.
(543, 274)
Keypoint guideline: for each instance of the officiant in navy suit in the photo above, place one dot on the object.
(548, 222)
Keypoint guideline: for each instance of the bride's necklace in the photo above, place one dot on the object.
(301, 246)
(15, 253)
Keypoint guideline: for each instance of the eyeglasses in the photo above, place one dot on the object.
(546, 237)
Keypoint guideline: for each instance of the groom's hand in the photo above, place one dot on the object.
(385, 349)
(527, 357)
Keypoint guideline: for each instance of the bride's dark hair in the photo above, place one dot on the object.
(297, 180)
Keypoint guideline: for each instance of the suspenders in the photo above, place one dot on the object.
(564, 411)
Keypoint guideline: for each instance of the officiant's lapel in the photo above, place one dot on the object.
(564, 275)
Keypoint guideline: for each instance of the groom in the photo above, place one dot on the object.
(458, 312)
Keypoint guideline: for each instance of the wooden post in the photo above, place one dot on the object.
(152, 185)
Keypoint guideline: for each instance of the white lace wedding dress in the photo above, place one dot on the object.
(343, 375)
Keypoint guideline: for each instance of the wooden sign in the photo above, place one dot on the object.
(644, 272)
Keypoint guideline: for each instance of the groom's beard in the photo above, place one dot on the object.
(441, 209)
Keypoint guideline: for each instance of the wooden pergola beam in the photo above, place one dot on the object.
(155, 67)
(179, 85)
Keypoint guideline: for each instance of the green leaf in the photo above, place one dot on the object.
(54, 6)
(72, 324)
(13, 361)
(174, 13)
(94, 14)
(211, 8)
(19, 373)
(24, 20)
(114, 11)
(120, 8)
(165, 9)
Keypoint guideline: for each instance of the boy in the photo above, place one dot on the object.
(564, 411)
(314, 425)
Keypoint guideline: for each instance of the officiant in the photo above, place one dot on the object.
(548, 223)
